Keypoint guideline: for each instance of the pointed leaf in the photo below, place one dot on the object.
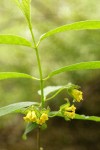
(83, 117)
(8, 75)
(30, 126)
(81, 25)
(14, 40)
(78, 66)
(24, 5)
(13, 107)
(77, 116)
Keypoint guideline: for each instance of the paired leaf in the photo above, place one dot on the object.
(78, 66)
(16, 106)
(30, 126)
(14, 40)
(8, 75)
(81, 25)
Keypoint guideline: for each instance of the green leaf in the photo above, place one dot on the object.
(77, 116)
(78, 66)
(30, 126)
(81, 25)
(83, 117)
(13, 107)
(24, 5)
(8, 75)
(14, 40)
(57, 89)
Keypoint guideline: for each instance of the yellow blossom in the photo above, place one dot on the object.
(70, 114)
(33, 117)
(70, 111)
(71, 108)
(30, 117)
(43, 119)
(78, 95)
(44, 116)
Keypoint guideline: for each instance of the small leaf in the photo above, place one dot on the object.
(13, 107)
(30, 126)
(14, 40)
(8, 75)
(81, 25)
(83, 117)
(78, 66)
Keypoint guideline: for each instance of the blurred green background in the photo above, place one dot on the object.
(56, 51)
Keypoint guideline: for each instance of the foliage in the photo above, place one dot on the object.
(37, 114)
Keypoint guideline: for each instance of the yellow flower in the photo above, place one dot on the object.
(43, 119)
(33, 117)
(70, 114)
(44, 116)
(71, 108)
(78, 95)
(70, 111)
(30, 117)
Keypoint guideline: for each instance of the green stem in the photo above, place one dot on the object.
(39, 66)
(41, 78)
(38, 139)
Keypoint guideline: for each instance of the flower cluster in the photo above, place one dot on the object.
(67, 110)
(30, 117)
(40, 119)
(77, 95)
